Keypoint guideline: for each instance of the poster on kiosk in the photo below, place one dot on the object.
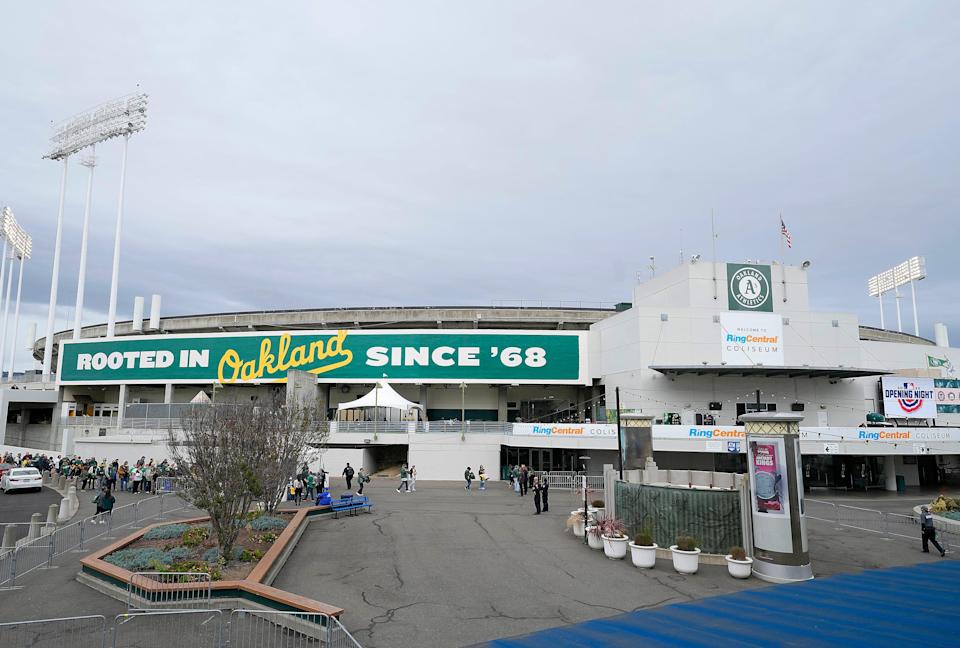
(769, 477)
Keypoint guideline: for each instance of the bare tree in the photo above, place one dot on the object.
(232, 454)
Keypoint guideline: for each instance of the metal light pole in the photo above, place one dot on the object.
(6, 309)
(55, 278)
(115, 277)
(90, 162)
(916, 319)
(16, 322)
(463, 411)
(586, 517)
(619, 433)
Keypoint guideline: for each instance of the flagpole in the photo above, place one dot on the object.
(783, 267)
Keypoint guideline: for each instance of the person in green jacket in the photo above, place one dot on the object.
(104, 501)
(310, 483)
(468, 477)
(404, 479)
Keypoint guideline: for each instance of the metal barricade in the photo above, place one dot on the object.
(862, 518)
(86, 631)
(821, 510)
(168, 590)
(180, 628)
(271, 629)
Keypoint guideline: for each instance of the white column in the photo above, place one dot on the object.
(6, 312)
(16, 325)
(112, 315)
(90, 163)
(55, 279)
(890, 473)
(168, 393)
(896, 298)
(122, 401)
(916, 319)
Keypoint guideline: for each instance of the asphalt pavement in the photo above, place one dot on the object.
(19, 506)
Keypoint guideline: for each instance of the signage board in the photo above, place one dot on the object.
(768, 475)
(343, 356)
(908, 397)
(590, 430)
(751, 339)
(946, 392)
(749, 288)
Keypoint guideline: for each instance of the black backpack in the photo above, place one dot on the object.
(350, 473)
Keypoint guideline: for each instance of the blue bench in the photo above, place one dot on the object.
(351, 504)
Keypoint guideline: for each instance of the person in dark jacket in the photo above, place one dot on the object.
(348, 475)
(524, 475)
(545, 495)
(535, 486)
(928, 532)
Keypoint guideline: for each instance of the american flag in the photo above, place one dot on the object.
(786, 233)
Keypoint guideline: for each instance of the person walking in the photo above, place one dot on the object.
(536, 494)
(310, 484)
(104, 502)
(298, 490)
(545, 494)
(482, 473)
(362, 478)
(524, 476)
(348, 475)
(468, 476)
(404, 476)
(928, 532)
(412, 478)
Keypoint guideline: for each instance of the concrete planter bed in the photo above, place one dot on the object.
(252, 589)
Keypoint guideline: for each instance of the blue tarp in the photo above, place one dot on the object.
(901, 606)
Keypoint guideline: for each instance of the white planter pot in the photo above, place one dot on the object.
(615, 548)
(739, 568)
(596, 512)
(578, 529)
(643, 557)
(595, 541)
(685, 562)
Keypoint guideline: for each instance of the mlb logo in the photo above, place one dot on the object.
(733, 446)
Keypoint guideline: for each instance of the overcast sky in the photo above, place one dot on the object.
(304, 154)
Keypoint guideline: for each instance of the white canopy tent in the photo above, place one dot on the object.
(201, 398)
(382, 397)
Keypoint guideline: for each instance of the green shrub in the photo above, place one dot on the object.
(214, 556)
(251, 556)
(737, 553)
(195, 536)
(196, 567)
(265, 538)
(137, 559)
(176, 554)
(267, 523)
(686, 543)
(643, 539)
(166, 532)
(597, 503)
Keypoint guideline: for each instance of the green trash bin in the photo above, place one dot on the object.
(901, 484)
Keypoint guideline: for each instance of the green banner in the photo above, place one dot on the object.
(335, 356)
(749, 288)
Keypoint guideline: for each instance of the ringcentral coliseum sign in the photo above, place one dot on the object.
(334, 356)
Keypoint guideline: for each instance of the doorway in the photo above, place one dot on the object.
(927, 472)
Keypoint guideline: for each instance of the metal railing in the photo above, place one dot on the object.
(170, 590)
(895, 525)
(42, 551)
(569, 480)
(183, 629)
(86, 631)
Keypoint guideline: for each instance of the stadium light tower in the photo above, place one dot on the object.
(22, 248)
(120, 117)
(909, 272)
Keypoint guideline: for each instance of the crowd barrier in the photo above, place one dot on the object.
(183, 629)
(896, 525)
(42, 551)
(569, 480)
(191, 591)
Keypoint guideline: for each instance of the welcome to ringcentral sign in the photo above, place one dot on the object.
(334, 356)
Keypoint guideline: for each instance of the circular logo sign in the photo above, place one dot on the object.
(749, 288)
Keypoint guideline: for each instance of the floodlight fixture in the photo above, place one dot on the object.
(123, 116)
(910, 271)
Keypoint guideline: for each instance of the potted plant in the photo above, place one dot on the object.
(738, 563)
(643, 550)
(594, 536)
(596, 507)
(686, 555)
(614, 539)
(575, 522)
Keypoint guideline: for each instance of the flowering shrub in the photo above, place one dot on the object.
(195, 536)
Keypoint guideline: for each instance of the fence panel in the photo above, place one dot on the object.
(268, 629)
(168, 590)
(338, 637)
(7, 568)
(166, 629)
(85, 631)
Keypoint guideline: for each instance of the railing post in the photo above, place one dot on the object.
(81, 535)
(160, 517)
(13, 567)
(50, 549)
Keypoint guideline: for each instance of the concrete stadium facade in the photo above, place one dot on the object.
(695, 348)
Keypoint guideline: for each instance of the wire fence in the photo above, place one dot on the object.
(171, 590)
(569, 480)
(45, 549)
(183, 629)
(895, 525)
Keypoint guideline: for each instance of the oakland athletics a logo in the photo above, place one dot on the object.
(749, 288)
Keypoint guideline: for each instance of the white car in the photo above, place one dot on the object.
(20, 479)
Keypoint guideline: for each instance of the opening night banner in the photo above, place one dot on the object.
(334, 356)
